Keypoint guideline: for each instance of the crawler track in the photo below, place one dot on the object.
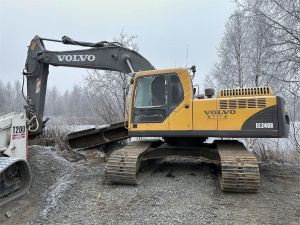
(15, 179)
(123, 164)
(239, 168)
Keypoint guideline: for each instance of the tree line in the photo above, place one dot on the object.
(72, 106)
(261, 47)
(11, 99)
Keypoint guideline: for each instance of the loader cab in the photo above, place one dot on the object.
(161, 101)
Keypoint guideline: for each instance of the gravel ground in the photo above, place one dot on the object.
(171, 192)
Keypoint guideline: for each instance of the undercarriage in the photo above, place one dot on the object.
(239, 171)
(238, 168)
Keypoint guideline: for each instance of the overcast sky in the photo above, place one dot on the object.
(165, 29)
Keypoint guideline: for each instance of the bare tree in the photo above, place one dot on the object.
(11, 99)
(283, 18)
(106, 88)
(232, 69)
(261, 47)
(18, 101)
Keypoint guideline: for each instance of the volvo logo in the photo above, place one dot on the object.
(76, 58)
(219, 112)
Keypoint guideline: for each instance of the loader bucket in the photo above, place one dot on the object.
(97, 137)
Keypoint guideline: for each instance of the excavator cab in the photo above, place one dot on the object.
(161, 102)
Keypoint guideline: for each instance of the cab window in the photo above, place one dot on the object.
(150, 92)
(156, 97)
(176, 91)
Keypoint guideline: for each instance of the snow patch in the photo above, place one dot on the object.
(55, 192)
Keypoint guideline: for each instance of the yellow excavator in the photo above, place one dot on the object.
(162, 104)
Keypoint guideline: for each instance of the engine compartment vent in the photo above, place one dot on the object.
(245, 92)
(242, 103)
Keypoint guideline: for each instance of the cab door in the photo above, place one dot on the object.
(150, 106)
(162, 103)
(180, 103)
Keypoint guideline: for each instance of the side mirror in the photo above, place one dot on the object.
(194, 91)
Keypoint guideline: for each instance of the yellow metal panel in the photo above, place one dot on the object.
(234, 119)
(202, 118)
(182, 116)
(151, 126)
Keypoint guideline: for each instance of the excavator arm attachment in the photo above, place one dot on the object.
(102, 55)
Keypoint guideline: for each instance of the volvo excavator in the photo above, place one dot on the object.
(162, 104)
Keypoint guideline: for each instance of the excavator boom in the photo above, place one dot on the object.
(102, 55)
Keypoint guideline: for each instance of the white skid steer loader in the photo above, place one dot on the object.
(15, 176)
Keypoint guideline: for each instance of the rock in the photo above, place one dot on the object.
(8, 214)
(170, 174)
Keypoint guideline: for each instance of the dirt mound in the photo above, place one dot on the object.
(52, 175)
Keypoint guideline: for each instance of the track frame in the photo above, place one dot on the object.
(239, 170)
